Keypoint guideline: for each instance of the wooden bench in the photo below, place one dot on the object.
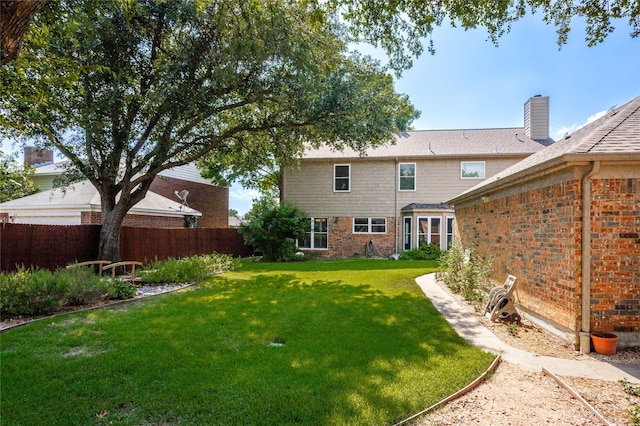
(133, 264)
(99, 263)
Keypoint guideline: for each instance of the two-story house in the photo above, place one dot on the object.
(392, 198)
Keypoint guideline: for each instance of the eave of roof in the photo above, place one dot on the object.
(615, 137)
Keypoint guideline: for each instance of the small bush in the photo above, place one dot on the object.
(121, 290)
(187, 269)
(465, 273)
(426, 251)
(30, 292)
(83, 287)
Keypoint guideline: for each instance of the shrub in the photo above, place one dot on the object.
(83, 287)
(30, 292)
(121, 290)
(465, 273)
(273, 230)
(426, 251)
(187, 269)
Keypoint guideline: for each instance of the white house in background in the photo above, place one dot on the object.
(209, 199)
(79, 204)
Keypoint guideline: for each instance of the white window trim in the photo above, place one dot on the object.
(311, 239)
(334, 178)
(369, 225)
(406, 219)
(484, 170)
(446, 230)
(415, 177)
(429, 218)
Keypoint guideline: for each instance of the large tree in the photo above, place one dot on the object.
(400, 26)
(126, 90)
(15, 17)
(15, 181)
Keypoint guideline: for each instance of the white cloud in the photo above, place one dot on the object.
(561, 132)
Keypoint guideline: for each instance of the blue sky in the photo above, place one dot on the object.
(470, 83)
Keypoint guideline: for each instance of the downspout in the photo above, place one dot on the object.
(396, 172)
(585, 328)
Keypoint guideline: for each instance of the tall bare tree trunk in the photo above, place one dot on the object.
(15, 17)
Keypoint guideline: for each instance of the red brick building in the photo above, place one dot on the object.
(566, 222)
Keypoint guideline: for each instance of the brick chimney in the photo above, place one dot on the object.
(36, 157)
(536, 118)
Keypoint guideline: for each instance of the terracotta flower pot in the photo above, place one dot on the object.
(604, 343)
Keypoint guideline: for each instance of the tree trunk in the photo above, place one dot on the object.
(15, 17)
(109, 245)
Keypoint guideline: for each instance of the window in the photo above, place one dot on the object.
(450, 231)
(341, 177)
(369, 225)
(429, 230)
(318, 235)
(472, 169)
(406, 238)
(407, 176)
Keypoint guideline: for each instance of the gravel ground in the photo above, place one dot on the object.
(517, 397)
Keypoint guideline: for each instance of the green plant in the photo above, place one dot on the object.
(30, 292)
(629, 388)
(426, 251)
(513, 329)
(187, 269)
(83, 286)
(464, 272)
(122, 290)
(273, 230)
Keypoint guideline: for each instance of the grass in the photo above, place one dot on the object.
(345, 342)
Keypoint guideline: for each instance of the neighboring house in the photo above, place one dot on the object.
(211, 200)
(79, 204)
(392, 198)
(566, 222)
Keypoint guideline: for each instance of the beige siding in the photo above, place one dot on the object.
(374, 183)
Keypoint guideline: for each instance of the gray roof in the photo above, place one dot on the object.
(426, 206)
(437, 143)
(617, 132)
(84, 197)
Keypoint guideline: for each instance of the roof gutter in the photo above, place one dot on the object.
(585, 328)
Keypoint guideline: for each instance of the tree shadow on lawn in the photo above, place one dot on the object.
(326, 351)
(270, 350)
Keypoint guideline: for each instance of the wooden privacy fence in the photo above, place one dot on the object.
(55, 246)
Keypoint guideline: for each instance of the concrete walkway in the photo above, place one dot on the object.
(473, 331)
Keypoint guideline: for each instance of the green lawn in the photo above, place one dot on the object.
(317, 343)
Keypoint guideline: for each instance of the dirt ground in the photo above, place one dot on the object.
(514, 396)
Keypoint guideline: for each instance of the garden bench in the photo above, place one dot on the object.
(127, 263)
(501, 305)
(99, 263)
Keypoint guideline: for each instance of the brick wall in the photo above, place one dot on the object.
(95, 218)
(344, 243)
(615, 255)
(211, 201)
(535, 236)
